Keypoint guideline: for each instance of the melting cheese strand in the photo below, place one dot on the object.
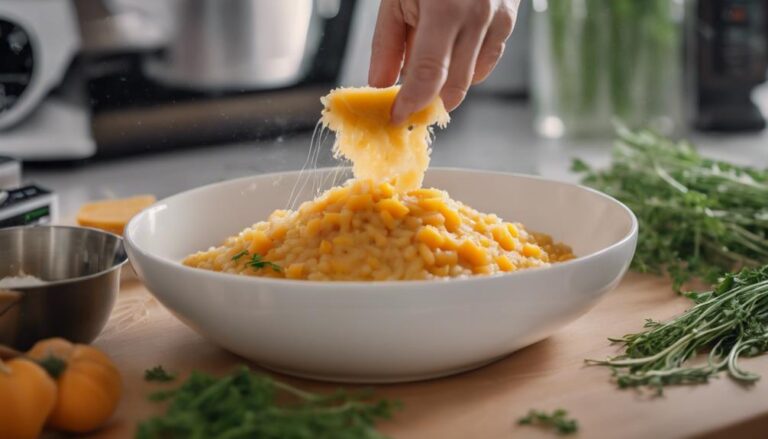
(298, 186)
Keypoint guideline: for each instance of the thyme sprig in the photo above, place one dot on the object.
(726, 323)
(698, 217)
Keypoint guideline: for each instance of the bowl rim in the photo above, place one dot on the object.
(131, 245)
(113, 267)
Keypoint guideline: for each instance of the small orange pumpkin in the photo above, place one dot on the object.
(27, 396)
(89, 384)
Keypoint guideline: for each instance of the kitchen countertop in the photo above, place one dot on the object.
(486, 133)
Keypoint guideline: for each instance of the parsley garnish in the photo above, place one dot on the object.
(158, 373)
(557, 420)
(239, 255)
(257, 262)
(246, 404)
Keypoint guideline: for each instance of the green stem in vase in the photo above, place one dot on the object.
(559, 15)
(590, 47)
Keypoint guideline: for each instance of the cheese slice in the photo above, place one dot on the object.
(112, 215)
(377, 149)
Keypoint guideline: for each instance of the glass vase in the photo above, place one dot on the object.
(596, 62)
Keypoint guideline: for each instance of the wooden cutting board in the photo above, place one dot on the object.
(484, 403)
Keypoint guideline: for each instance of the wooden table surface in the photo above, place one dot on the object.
(484, 403)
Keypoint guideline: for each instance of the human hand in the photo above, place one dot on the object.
(439, 46)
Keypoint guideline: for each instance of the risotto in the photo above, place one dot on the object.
(381, 225)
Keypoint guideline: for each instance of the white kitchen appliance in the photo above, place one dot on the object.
(38, 41)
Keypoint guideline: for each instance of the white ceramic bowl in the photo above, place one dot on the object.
(382, 331)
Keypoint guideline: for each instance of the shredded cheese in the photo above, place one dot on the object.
(377, 149)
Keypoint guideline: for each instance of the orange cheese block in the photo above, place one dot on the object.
(113, 215)
(378, 149)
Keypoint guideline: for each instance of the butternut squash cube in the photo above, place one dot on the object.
(434, 219)
(473, 253)
(504, 263)
(386, 190)
(532, 251)
(432, 204)
(395, 207)
(295, 271)
(359, 202)
(503, 237)
(430, 236)
(452, 219)
(260, 243)
(512, 229)
(426, 193)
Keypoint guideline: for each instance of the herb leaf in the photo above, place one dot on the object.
(728, 322)
(158, 373)
(698, 217)
(557, 420)
(247, 404)
(239, 255)
(257, 262)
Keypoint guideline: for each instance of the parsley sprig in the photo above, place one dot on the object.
(558, 420)
(239, 255)
(698, 217)
(258, 262)
(251, 405)
(158, 373)
(727, 323)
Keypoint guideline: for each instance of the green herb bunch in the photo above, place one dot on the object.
(728, 323)
(251, 405)
(558, 420)
(698, 217)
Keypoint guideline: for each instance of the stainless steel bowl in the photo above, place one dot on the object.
(81, 268)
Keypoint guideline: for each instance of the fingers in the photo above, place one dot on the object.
(428, 62)
(409, 34)
(388, 45)
(442, 55)
(463, 60)
(495, 39)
